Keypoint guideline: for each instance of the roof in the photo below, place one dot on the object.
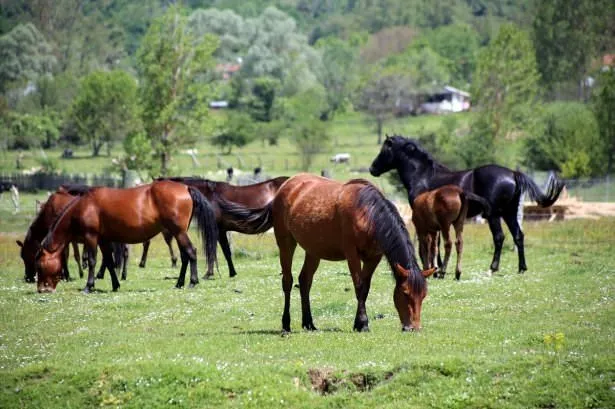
(454, 90)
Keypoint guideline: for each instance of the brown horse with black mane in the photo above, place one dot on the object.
(340, 221)
(250, 196)
(104, 215)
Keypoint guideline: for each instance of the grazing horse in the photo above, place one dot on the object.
(435, 211)
(335, 221)
(37, 231)
(104, 215)
(499, 186)
(250, 196)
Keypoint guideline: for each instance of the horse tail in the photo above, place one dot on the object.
(244, 219)
(206, 224)
(472, 197)
(546, 199)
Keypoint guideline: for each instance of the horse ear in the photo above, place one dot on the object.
(428, 272)
(19, 243)
(410, 147)
(402, 271)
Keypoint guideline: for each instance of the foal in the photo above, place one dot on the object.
(436, 210)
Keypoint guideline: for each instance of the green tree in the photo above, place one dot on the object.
(505, 86)
(25, 54)
(174, 86)
(604, 108)
(237, 131)
(106, 108)
(26, 131)
(569, 141)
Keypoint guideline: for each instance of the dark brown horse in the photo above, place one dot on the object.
(37, 231)
(251, 196)
(435, 211)
(335, 221)
(104, 215)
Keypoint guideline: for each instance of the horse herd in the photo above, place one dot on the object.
(330, 220)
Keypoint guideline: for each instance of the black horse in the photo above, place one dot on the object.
(500, 186)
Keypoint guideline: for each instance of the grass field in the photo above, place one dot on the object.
(545, 339)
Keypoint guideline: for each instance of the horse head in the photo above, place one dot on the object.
(49, 269)
(409, 293)
(27, 251)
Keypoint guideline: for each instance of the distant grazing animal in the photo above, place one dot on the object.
(104, 215)
(435, 211)
(340, 221)
(252, 196)
(501, 187)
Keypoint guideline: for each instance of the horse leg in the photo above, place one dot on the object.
(513, 225)
(84, 257)
(434, 248)
(287, 246)
(448, 247)
(90, 249)
(65, 272)
(144, 254)
(362, 278)
(423, 250)
(459, 246)
(310, 264)
(107, 252)
(498, 240)
(168, 238)
(101, 271)
(124, 261)
(185, 246)
(226, 250)
(77, 258)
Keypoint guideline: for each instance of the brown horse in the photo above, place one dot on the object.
(37, 231)
(251, 196)
(436, 210)
(104, 215)
(335, 221)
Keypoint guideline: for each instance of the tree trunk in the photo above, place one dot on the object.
(96, 145)
(379, 125)
(164, 163)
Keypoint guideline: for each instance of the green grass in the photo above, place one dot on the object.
(485, 343)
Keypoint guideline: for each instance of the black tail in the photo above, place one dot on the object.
(244, 219)
(471, 197)
(206, 224)
(554, 188)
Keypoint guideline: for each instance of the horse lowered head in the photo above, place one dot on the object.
(27, 251)
(408, 297)
(49, 269)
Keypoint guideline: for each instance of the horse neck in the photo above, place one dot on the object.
(59, 234)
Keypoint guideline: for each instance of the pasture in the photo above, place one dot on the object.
(545, 339)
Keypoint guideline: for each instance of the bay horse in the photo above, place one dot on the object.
(436, 211)
(104, 215)
(499, 186)
(251, 196)
(341, 221)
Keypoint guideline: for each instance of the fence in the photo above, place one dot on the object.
(51, 181)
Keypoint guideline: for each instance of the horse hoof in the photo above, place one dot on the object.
(116, 288)
(192, 285)
(309, 327)
(285, 333)
(142, 265)
(87, 290)
(208, 277)
(179, 287)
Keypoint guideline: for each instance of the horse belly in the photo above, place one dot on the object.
(318, 232)
(130, 228)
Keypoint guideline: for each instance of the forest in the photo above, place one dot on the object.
(138, 81)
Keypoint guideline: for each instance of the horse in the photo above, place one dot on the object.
(104, 215)
(37, 231)
(340, 221)
(499, 186)
(251, 196)
(436, 210)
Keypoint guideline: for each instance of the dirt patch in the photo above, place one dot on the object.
(327, 381)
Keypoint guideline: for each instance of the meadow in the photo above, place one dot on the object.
(544, 339)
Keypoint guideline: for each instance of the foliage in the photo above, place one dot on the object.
(478, 146)
(603, 103)
(173, 90)
(237, 131)
(24, 131)
(261, 101)
(25, 55)
(569, 142)
(387, 42)
(139, 154)
(106, 108)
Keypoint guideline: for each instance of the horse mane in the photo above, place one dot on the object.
(192, 181)
(46, 241)
(75, 189)
(391, 233)
(424, 155)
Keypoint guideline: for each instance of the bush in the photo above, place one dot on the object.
(568, 141)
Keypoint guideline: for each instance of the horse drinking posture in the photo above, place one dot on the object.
(335, 221)
(436, 210)
(499, 186)
(250, 196)
(104, 215)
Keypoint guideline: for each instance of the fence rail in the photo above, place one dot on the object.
(51, 181)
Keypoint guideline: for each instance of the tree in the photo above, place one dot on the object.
(505, 84)
(25, 54)
(106, 108)
(234, 32)
(237, 131)
(24, 131)
(174, 86)
(604, 109)
(568, 141)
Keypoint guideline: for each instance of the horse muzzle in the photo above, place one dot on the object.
(45, 289)
(410, 328)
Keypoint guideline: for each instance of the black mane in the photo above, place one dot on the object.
(193, 181)
(391, 234)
